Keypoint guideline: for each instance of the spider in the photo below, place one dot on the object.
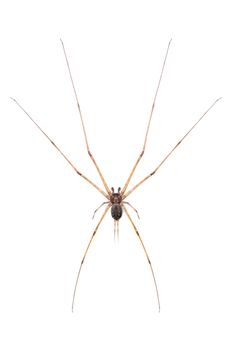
(116, 200)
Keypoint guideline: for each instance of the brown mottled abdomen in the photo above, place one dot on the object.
(116, 211)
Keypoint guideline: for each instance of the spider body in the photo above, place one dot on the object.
(116, 200)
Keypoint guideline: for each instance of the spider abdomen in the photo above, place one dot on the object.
(116, 211)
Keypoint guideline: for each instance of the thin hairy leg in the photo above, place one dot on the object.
(168, 155)
(86, 251)
(144, 248)
(148, 126)
(59, 150)
(83, 126)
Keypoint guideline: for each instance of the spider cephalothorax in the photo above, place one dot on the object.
(116, 200)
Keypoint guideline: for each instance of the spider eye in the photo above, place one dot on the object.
(112, 188)
(119, 189)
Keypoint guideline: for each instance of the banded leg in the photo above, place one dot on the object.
(173, 149)
(145, 251)
(83, 126)
(58, 149)
(84, 256)
(148, 126)
(130, 205)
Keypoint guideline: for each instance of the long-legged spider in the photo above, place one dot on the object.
(116, 200)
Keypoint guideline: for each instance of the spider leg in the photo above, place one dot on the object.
(59, 150)
(84, 256)
(148, 126)
(131, 207)
(83, 126)
(172, 150)
(144, 248)
(99, 208)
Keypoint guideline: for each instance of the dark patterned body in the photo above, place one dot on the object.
(116, 209)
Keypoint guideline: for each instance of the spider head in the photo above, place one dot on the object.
(116, 197)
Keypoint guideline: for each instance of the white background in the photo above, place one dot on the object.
(116, 51)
